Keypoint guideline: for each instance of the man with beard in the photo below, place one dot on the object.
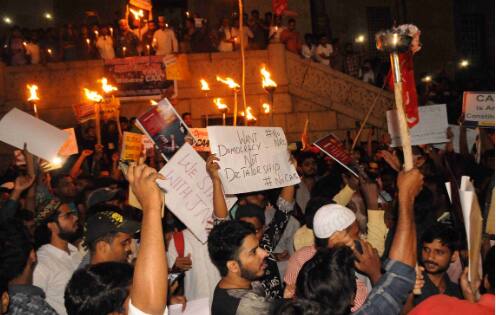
(57, 227)
(439, 249)
(108, 236)
(234, 249)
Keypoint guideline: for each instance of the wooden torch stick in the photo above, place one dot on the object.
(398, 96)
(97, 124)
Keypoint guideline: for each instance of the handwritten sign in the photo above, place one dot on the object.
(252, 158)
(333, 147)
(478, 109)
(431, 128)
(201, 142)
(42, 139)
(69, 147)
(131, 146)
(189, 190)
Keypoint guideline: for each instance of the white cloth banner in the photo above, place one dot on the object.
(42, 139)
(432, 126)
(252, 158)
(189, 190)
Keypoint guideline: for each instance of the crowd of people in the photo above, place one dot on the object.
(389, 242)
(196, 35)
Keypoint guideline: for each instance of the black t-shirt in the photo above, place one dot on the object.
(238, 302)
(429, 289)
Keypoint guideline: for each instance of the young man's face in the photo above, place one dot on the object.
(251, 259)
(67, 226)
(436, 257)
(257, 224)
(119, 249)
(66, 188)
(309, 167)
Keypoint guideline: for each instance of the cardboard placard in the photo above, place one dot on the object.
(252, 158)
(42, 139)
(131, 146)
(333, 147)
(189, 191)
(165, 127)
(201, 142)
(432, 126)
(478, 109)
(69, 147)
(84, 111)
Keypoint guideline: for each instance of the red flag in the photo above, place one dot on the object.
(279, 6)
(410, 101)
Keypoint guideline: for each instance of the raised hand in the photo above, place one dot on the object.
(142, 179)
(213, 167)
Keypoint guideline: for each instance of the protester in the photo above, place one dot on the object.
(226, 35)
(351, 61)
(105, 44)
(164, 39)
(323, 51)
(257, 27)
(308, 48)
(17, 261)
(247, 35)
(291, 38)
(126, 42)
(57, 227)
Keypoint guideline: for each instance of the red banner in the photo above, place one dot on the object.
(279, 6)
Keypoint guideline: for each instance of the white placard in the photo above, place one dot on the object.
(189, 190)
(195, 307)
(42, 139)
(455, 130)
(478, 108)
(252, 158)
(432, 126)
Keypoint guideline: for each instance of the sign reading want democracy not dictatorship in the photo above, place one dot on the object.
(189, 191)
(252, 158)
(478, 109)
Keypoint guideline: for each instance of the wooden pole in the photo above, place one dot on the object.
(398, 96)
(243, 62)
(97, 124)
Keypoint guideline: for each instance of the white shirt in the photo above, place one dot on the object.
(229, 34)
(308, 52)
(275, 33)
(133, 310)
(201, 279)
(369, 77)
(165, 42)
(302, 196)
(247, 34)
(33, 50)
(326, 51)
(105, 46)
(139, 33)
(53, 271)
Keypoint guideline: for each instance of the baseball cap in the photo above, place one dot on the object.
(100, 195)
(330, 219)
(104, 222)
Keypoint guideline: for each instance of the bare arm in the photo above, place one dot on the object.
(76, 168)
(404, 246)
(220, 207)
(149, 288)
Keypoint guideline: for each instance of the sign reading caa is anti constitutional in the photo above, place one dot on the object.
(478, 108)
(252, 158)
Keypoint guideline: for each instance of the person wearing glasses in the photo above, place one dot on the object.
(56, 227)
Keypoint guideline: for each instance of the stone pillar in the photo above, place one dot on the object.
(277, 63)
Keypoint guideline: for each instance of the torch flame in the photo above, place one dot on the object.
(266, 108)
(267, 82)
(229, 82)
(107, 88)
(92, 95)
(249, 114)
(137, 14)
(220, 105)
(204, 85)
(33, 93)
(152, 102)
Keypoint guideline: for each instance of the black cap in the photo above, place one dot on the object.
(105, 222)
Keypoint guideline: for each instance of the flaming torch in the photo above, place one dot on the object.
(250, 119)
(205, 88)
(33, 97)
(222, 108)
(266, 108)
(269, 86)
(235, 87)
(108, 89)
(96, 98)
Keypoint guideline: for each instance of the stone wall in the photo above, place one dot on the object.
(332, 101)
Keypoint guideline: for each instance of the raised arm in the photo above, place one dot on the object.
(149, 289)
(220, 207)
(76, 168)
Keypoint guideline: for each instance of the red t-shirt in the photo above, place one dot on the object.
(441, 304)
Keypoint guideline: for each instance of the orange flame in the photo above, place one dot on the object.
(33, 93)
(204, 85)
(107, 88)
(152, 102)
(92, 95)
(267, 82)
(249, 114)
(137, 14)
(266, 108)
(220, 105)
(229, 82)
